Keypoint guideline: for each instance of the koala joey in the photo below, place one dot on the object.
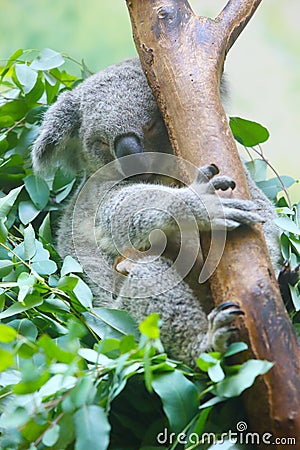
(111, 115)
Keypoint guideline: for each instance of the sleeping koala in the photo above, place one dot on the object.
(112, 119)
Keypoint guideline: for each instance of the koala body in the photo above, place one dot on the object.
(112, 115)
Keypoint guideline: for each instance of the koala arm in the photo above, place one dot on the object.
(132, 211)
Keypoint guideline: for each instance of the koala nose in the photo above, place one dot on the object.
(130, 146)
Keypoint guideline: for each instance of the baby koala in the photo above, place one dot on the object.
(129, 224)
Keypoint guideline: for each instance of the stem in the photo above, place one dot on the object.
(260, 153)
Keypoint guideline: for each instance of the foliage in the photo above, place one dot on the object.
(74, 376)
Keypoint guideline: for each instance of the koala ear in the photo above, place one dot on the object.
(58, 143)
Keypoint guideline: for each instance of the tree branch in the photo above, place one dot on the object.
(183, 57)
(234, 18)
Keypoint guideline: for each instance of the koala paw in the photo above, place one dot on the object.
(218, 212)
(220, 328)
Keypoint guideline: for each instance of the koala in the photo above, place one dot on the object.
(112, 118)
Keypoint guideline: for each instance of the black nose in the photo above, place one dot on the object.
(130, 152)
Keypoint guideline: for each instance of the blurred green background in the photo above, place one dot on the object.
(263, 67)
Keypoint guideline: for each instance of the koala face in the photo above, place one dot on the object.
(111, 114)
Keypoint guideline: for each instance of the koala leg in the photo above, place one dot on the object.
(186, 330)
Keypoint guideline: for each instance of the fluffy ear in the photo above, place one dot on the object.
(58, 144)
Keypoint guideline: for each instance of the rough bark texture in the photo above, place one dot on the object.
(183, 57)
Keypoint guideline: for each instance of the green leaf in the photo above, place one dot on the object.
(45, 229)
(27, 212)
(234, 385)
(235, 347)
(15, 419)
(31, 385)
(6, 267)
(287, 225)
(47, 59)
(84, 392)
(8, 201)
(46, 267)
(111, 323)
(3, 232)
(7, 334)
(295, 297)
(67, 433)
(57, 383)
(26, 76)
(25, 282)
(11, 60)
(248, 133)
(207, 360)
(257, 169)
(38, 190)
(53, 351)
(272, 186)
(84, 294)
(295, 243)
(70, 265)
(51, 436)
(150, 326)
(6, 121)
(25, 327)
(216, 373)
(67, 283)
(179, 398)
(29, 242)
(17, 109)
(30, 302)
(92, 428)
(6, 360)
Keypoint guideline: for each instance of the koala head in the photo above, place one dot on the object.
(111, 114)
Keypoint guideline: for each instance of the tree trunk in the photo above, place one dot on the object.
(183, 57)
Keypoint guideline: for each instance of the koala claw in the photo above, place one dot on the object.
(206, 172)
(220, 327)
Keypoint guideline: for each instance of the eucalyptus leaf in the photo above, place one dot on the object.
(3, 231)
(84, 294)
(112, 323)
(6, 267)
(248, 133)
(234, 385)
(26, 76)
(29, 242)
(216, 373)
(38, 190)
(17, 308)
(287, 225)
(7, 333)
(70, 265)
(150, 326)
(92, 428)
(51, 436)
(179, 397)
(47, 59)
(27, 212)
(8, 201)
(45, 229)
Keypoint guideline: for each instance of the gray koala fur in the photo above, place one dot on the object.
(82, 132)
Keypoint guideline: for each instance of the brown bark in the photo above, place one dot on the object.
(183, 57)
